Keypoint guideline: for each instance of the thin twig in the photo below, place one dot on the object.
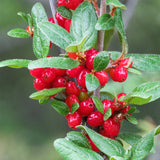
(53, 8)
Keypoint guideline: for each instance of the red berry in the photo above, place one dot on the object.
(111, 127)
(102, 77)
(71, 88)
(89, 60)
(60, 72)
(107, 104)
(94, 147)
(48, 75)
(72, 55)
(72, 73)
(86, 107)
(39, 84)
(61, 20)
(70, 100)
(74, 119)
(90, 52)
(120, 74)
(36, 72)
(119, 96)
(51, 20)
(59, 82)
(67, 25)
(81, 78)
(124, 63)
(111, 72)
(95, 119)
(125, 110)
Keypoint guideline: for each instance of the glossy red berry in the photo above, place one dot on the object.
(102, 77)
(119, 96)
(89, 60)
(72, 73)
(61, 20)
(94, 147)
(72, 55)
(59, 82)
(67, 25)
(39, 84)
(81, 78)
(111, 127)
(125, 110)
(60, 72)
(36, 72)
(111, 72)
(95, 119)
(90, 52)
(107, 104)
(71, 88)
(86, 107)
(48, 75)
(124, 63)
(51, 20)
(70, 100)
(74, 119)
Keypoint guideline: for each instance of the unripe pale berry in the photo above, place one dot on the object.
(81, 78)
(83, 95)
(102, 77)
(86, 107)
(95, 119)
(71, 88)
(74, 119)
(111, 127)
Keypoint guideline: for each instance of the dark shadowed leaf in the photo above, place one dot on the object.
(74, 107)
(65, 12)
(107, 114)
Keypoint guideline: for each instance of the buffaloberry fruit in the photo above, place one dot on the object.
(74, 119)
(71, 88)
(111, 127)
(102, 77)
(90, 52)
(67, 25)
(39, 84)
(95, 119)
(107, 104)
(61, 20)
(86, 107)
(70, 100)
(89, 60)
(72, 73)
(59, 82)
(60, 72)
(72, 55)
(124, 62)
(51, 20)
(36, 72)
(48, 75)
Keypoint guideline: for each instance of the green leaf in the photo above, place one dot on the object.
(92, 83)
(98, 104)
(40, 42)
(130, 138)
(76, 46)
(107, 38)
(44, 101)
(18, 33)
(60, 107)
(23, 15)
(144, 93)
(54, 62)
(116, 3)
(144, 145)
(70, 151)
(107, 114)
(65, 12)
(74, 107)
(116, 158)
(132, 119)
(105, 22)
(43, 94)
(15, 63)
(106, 145)
(145, 62)
(79, 139)
(132, 110)
(30, 21)
(135, 71)
(56, 34)
(101, 61)
(120, 27)
(83, 24)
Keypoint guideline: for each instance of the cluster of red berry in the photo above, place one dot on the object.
(75, 86)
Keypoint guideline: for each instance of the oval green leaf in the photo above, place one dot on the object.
(98, 104)
(45, 93)
(116, 3)
(83, 24)
(107, 114)
(132, 119)
(54, 62)
(74, 107)
(60, 107)
(70, 151)
(65, 12)
(101, 61)
(18, 33)
(15, 63)
(92, 83)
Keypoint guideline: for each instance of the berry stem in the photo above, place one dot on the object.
(53, 8)
(100, 41)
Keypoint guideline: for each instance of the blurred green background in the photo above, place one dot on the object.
(27, 129)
